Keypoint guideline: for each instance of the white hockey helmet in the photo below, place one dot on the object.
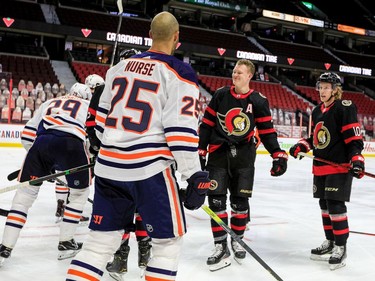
(81, 90)
(94, 80)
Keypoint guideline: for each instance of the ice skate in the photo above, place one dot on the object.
(60, 210)
(220, 258)
(119, 266)
(338, 257)
(84, 220)
(238, 251)
(144, 252)
(68, 249)
(4, 253)
(323, 252)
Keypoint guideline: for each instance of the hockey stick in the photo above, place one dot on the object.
(64, 184)
(364, 233)
(347, 166)
(13, 175)
(52, 176)
(239, 240)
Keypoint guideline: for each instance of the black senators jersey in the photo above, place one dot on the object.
(336, 135)
(231, 118)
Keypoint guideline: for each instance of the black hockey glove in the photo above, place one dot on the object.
(202, 158)
(357, 166)
(279, 164)
(301, 146)
(198, 185)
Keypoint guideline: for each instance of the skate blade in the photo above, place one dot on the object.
(83, 223)
(220, 265)
(2, 261)
(63, 255)
(320, 257)
(116, 276)
(337, 266)
(143, 271)
(239, 260)
(58, 219)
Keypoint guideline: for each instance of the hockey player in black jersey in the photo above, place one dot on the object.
(226, 136)
(336, 137)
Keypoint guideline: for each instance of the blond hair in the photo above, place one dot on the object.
(250, 66)
(338, 93)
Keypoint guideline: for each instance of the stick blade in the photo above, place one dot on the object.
(13, 175)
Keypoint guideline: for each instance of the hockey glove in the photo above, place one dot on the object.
(198, 185)
(357, 166)
(202, 158)
(301, 146)
(279, 164)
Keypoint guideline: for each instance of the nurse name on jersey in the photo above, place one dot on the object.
(140, 67)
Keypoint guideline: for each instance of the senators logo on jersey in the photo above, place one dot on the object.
(322, 137)
(234, 122)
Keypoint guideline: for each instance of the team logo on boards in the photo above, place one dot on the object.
(234, 122)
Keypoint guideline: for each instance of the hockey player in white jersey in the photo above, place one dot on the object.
(94, 82)
(55, 139)
(147, 122)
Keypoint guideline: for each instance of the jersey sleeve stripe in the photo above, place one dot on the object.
(267, 131)
(349, 126)
(102, 111)
(31, 134)
(348, 140)
(263, 119)
(208, 122)
(210, 111)
(100, 119)
(182, 139)
(180, 129)
(183, 148)
(98, 128)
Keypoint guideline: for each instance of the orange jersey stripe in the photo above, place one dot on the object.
(134, 155)
(53, 120)
(149, 278)
(175, 202)
(29, 134)
(100, 119)
(181, 138)
(67, 214)
(16, 219)
(83, 275)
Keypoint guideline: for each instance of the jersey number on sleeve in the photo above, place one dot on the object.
(191, 107)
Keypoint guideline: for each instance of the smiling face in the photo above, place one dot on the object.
(241, 77)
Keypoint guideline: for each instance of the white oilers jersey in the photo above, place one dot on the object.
(66, 114)
(147, 118)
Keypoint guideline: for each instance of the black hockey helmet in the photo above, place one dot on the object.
(329, 77)
(127, 53)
